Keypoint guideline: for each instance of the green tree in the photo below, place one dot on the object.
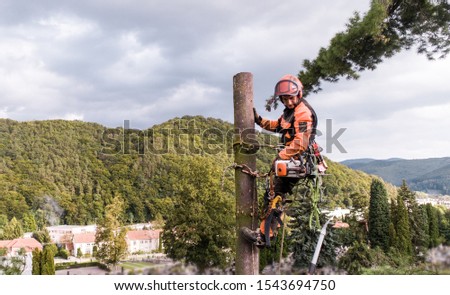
(379, 218)
(63, 253)
(200, 229)
(426, 227)
(303, 239)
(42, 236)
(44, 261)
(29, 223)
(356, 258)
(13, 204)
(446, 227)
(79, 253)
(417, 219)
(48, 260)
(36, 262)
(12, 230)
(110, 236)
(392, 230)
(94, 251)
(402, 230)
(433, 225)
(3, 222)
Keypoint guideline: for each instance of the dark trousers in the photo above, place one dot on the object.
(284, 185)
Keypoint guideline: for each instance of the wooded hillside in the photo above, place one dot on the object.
(66, 172)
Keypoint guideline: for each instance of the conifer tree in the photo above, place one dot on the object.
(403, 235)
(36, 262)
(426, 227)
(43, 262)
(303, 239)
(446, 227)
(379, 218)
(12, 230)
(356, 258)
(433, 226)
(48, 261)
(392, 230)
(417, 220)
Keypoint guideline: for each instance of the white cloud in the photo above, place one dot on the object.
(4, 113)
(73, 117)
(190, 96)
(24, 77)
(66, 27)
(419, 132)
(137, 63)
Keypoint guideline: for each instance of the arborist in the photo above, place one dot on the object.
(297, 126)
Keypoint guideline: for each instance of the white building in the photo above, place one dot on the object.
(144, 241)
(63, 234)
(83, 241)
(14, 246)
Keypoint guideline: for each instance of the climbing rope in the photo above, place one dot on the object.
(313, 183)
(314, 188)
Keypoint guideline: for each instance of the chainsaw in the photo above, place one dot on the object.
(290, 168)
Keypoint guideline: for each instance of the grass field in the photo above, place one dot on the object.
(135, 265)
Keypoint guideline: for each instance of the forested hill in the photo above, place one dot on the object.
(428, 175)
(66, 172)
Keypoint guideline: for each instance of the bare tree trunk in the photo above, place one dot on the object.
(247, 255)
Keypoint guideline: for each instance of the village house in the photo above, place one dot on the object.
(63, 234)
(142, 241)
(14, 246)
(83, 241)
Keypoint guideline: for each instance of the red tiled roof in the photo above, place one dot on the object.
(29, 244)
(84, 238)
(340, 224)
(4, 243)
(139, 235)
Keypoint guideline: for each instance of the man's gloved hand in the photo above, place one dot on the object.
(258, 118)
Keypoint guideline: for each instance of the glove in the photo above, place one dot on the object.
(258, 118)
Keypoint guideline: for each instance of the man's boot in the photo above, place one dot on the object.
(252, 236)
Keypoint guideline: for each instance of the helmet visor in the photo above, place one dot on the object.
(286, 87)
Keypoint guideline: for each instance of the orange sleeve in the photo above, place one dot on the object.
(270, 125)
(303, 127)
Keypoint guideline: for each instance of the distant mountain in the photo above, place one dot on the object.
(363, 161)
(428, 175)
(357, 161)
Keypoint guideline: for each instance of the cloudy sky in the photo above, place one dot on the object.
(107, 61)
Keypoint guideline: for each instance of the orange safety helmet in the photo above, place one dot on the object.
(289, 85)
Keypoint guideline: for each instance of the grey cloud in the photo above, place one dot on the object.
(100, 75)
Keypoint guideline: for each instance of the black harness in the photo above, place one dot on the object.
(287, 134)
